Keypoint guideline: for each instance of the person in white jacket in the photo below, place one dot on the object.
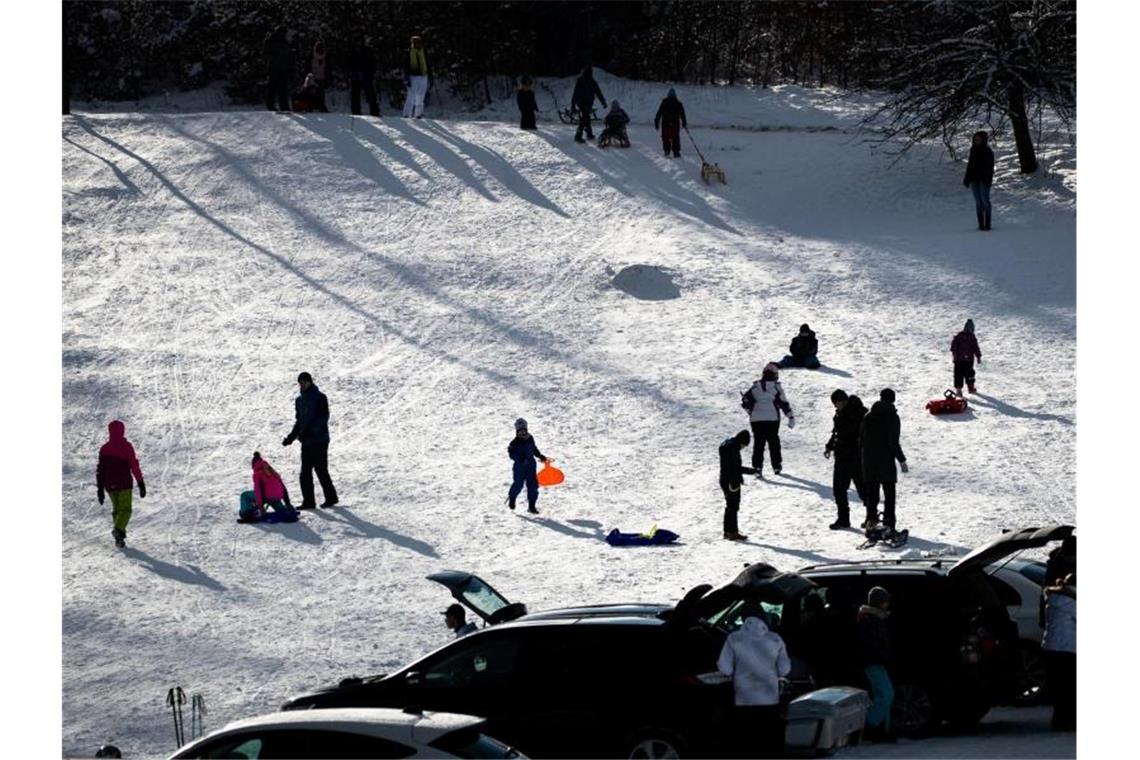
(1059, 646)
(756, 659)
(767, 400)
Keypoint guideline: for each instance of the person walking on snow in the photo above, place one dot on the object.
(802, 350)
(585, 90)
(312, 429)
(417, 80)
(766, 400)
(670, 119)
(844, 445)
(879, 448)
(731, 479)
(113, 476)
(980, 176)
(756, 659)
(362, 73)
(528, 106)
(964, 348)
(874, 648)
(523, 451)
(268, 490)
(279, 67)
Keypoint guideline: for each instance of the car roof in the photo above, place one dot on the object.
(390, 723)
(601, 612)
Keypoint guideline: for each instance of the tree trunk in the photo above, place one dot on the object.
(1017, 117)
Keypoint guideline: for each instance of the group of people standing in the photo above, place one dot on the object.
(360, 68)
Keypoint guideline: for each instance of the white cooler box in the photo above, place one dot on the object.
(825, 719)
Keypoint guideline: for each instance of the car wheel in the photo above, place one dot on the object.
(654, 745)
(913, 711)
(1030, 677)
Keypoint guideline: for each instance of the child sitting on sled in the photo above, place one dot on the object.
(616, 120)
(268, 490)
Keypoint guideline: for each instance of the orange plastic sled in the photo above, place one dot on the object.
(550, 475)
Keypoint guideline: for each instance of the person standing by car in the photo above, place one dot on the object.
(879, 448)
(454, 617)
(1059, 646)
(731, 479)
(844, 445)
(312, 429)
(980, 176)
(523, 451)
(756, 659)
(764, 402)
(874, 648)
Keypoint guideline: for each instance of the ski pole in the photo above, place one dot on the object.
(197, 716)
(174, 699)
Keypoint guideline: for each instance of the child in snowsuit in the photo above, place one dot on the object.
(764, 402)
(306, 98)
(268, 490)
(964, 348)
(802, 350)
(523, 451)
(615, 120)
(527, 104)
(113, 476)
(670, 119)
(980, 177)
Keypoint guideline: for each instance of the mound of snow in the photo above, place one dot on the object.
(649, 283)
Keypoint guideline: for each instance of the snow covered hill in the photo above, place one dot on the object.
(440, 279)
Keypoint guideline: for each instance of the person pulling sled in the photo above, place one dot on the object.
(523, 451)
(585, 90)
(670, 119)
(964, 348)
(616, 121)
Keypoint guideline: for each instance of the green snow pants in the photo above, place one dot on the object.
(121, 507)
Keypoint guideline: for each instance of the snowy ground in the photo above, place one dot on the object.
(439, 279)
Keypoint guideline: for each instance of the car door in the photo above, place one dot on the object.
(269, 743)
(476, 676)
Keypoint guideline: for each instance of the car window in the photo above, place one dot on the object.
(347, 746)
(1034, 571)
(731, 618)
(482, 597)
(486, 661)
(1007, 593)
(468, 742)
(243, 746)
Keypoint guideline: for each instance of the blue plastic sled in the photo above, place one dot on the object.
(654, 537)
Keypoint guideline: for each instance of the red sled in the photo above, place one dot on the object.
(948, 404)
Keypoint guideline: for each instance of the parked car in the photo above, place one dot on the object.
(1019, 583)
(350, 733)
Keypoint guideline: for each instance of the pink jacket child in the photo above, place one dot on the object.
(268, 489)
(116, 474)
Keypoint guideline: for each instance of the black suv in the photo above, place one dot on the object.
(955, 647)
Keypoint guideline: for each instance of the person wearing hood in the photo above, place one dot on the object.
(585, 90)
(279, 67)
(964, 349)
(670, 118)
(980, 177)
(523, 451)
(528, 106)
(1059, 647)
(873, 646)
(616, 121)
(731, 478)
(115, 476)
(765, 400)
(802, 350)
(312, 429)
(879, 448)
(268, 490)
(844, 445)
(417, 80)
(756, 659)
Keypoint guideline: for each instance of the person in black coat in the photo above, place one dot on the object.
(312, 429)
(585, 90)
(670, 118)
(873, 647)
(527, 104)
(362, 74)
(879, 448)
(802, 350)
(279, 66)
(980, 176)
(844, 445)
(732, 473)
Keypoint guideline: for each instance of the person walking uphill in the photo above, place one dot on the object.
(279, 67)
(585, 90)
(874, 649)
(765, 400)
(528, 106)
(756, 658)
(731, 479)
(113, 477)
(980, 177)
(844, 446)
(964, 348)
(417, 80)
(879, 448)
(523, 451)
(670, 119)
(312, 430)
